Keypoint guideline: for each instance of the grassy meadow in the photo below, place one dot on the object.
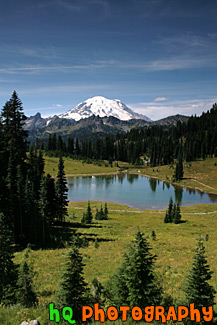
(201, 174)
(174, 247)
(77, 167)
(174, 244)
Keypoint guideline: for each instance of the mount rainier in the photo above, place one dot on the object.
(101, 106)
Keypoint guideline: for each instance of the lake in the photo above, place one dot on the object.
(134, 190)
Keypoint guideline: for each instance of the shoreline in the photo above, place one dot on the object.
(148, 176)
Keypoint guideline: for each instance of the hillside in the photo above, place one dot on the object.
(114, 235)
(93, 126)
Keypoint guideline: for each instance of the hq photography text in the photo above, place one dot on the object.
(148, 314)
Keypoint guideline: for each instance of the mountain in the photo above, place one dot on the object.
(35, 122)
(95, 126)
(94, 118)
(101, 106)
(171, 120)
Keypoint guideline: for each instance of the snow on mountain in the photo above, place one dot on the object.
(102, 106)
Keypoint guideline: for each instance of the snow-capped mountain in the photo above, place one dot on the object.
(101, 106)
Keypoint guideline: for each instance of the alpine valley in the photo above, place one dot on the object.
(94, 117)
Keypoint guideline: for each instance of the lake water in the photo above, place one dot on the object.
(134, 190)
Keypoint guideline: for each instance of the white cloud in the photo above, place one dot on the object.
(160, 99)
(157, 110)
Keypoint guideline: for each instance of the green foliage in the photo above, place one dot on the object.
(96, 243)
(61, 192)
(197, 287)
(179, 172)
(20, 178)
(73, 288)
(160, 143)
(105, 212)
(25, 293)
(78, 241)
(153, 235)
(102, 214)
(8, 271)
(97, 290)
(135, 282)
(87, 217)
(173, 213)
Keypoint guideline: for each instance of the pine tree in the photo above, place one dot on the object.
(135, 282)
(61, 192)
(44, 210)
(97, 290)
(197, 287)
(170, 210)
(177, 216)
(20, 197)
(166, 218)
(8, 271)
(77, 241)
(13, 120)
(173, 215)
(179, 172)
(105, 212)
(73, 288)
(25, 293)
(12, 200)
(87, 217)
(101, 213)
(153, 235)
(97, 215)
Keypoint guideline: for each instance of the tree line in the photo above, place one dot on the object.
(197, 138)
(30, 200)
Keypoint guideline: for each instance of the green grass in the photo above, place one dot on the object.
(195, 173)
(201, 174)
(174, 247)
(77, 167)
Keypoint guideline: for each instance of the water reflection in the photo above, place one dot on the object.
(134, 190)
(178, 194)
(153, 184)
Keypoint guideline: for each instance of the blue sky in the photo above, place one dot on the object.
(157, 56)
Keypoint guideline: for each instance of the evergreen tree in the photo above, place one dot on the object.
(105, 212)
(77, 241)
(87, 217)
(101, 213)
(138, 285)
(73, 288)
(97, 290)
(25, 293)
(61, 192)
(13, 120)
(170, 210)
(173, 215)
(97, 215)
(44, 210)
(153, 235)
(12, 200)
(179, 172)
(8, 271)
(197, 287)
(177, 216)
(166, 218)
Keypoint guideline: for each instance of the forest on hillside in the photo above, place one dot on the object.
(197, 138)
